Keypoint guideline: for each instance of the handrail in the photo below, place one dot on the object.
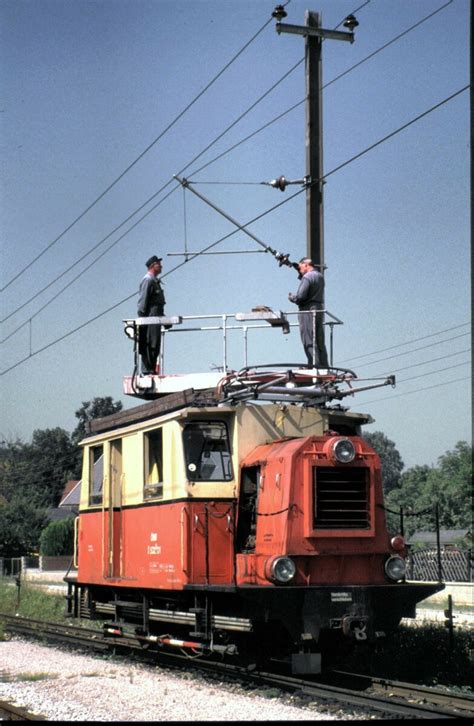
(259, 318)
(76, 529)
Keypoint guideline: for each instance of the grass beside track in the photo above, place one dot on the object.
(31, 602)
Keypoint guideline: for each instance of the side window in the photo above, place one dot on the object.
(207, 451)
(153, 464)
(96, 474)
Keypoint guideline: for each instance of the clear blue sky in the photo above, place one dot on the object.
(88, 85)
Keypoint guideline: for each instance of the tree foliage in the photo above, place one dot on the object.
(58, 538)
(448, 485)
(392, 464)
(37, 472)
(21, 524)
(97, 408)
(33, 476)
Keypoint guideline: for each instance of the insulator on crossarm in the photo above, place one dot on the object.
(279, 13)
(280, 183)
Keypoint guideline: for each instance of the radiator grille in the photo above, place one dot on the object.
(341, 498)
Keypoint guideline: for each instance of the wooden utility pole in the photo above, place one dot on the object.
(314, 35)
(314, 145)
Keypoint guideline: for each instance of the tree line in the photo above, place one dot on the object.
(419, 489)
(32, 480)
(33, 476)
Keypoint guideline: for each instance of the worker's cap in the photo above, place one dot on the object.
(308, 260)
(152, 260)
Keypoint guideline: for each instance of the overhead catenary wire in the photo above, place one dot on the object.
(104, 252)
(242, 227)
(140, 156)
(426, 362)
(258, 217)
(201, 153)
(432, 373)
(198, 156)
(233, 147)
(418, 390)
(408, 342)
(324, 86)
(415, 350)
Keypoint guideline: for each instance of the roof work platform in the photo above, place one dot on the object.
(291, 382)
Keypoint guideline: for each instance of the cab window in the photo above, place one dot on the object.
(207, 451)
(153, 464)
(96, 474)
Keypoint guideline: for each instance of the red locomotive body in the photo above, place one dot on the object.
(227, 523)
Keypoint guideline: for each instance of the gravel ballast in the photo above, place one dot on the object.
(71, 686)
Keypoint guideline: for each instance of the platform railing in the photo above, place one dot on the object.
(255, 319)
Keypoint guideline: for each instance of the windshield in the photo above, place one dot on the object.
(207, 451)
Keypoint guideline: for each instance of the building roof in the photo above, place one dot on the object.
(71, 494)
(59, 513)
(446, 536)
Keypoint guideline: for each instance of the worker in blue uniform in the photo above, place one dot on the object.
(310, 296)
(151, 302)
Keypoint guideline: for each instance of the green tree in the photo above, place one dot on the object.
(97, 408)
(53, 463)
(448, 485)
(407, 495)
(15, 466)
(58, 538)
(32, 479)
(392, 464)
(21, 523)
(37, 472)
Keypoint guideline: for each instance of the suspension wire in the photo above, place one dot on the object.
(225, 215)
(242, 227)
(333, 80)
(215, 140)
(408, 342)
(422, 375)
(227, 183)
(426, 388)
(431, 373)
(104, 252)
(425, 362)
(277, 118)
(415, 350)
(260, 216)
(145, 151)
(180, 172)
(386, 45)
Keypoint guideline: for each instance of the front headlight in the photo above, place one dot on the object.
(395, 568)
(343, 451)
(280, 569)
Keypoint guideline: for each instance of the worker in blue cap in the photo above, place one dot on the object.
(309, 297)
(151, 302)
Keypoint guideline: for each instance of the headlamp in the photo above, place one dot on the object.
(395, 568)
(343, 451)
(280, 569)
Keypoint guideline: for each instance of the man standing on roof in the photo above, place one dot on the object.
(151, 302)
(310, 296)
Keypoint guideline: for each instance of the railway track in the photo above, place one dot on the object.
(12, 712)
(379, 695)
